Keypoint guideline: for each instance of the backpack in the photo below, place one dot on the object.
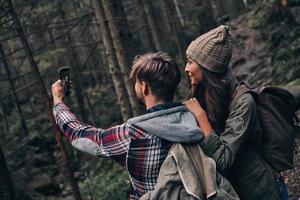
(276, 109)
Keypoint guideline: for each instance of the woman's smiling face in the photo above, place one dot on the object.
(194, 71)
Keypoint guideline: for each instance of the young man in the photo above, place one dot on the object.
(142, 143)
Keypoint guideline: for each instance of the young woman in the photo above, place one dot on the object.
(233, 136)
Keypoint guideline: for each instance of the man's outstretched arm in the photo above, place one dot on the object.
(110, 142)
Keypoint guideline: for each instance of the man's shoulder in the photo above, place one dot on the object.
(156, 114)
(175, 124)
(137, 132)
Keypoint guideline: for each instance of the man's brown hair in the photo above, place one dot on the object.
(160, 71)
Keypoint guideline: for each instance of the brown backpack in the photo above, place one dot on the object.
(276, 109)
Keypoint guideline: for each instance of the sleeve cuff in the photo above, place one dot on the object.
(58, 107)
(211, 143)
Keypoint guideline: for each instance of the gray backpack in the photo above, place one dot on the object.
(188, 174)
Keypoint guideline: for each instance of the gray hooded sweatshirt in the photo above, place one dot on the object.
(175, 124)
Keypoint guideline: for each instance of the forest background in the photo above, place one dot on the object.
(98, 39)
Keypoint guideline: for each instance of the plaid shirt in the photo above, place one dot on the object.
(139, 151)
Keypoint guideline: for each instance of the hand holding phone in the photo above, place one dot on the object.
(64, 76)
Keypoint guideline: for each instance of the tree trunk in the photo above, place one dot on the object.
(219, 8)
(233, 7)
(248, 2)
(143, 27)
(114, 12)
(4, 117)
(238, 7)
(113, 67)
(13, 89)
(174, 29)
(157, 39)
(100, 62)
(178, 11)
(101, 67)
(203, 15)
(67, 168)
(166, 12)
(208, 20)
(75, 67)
(6, 185)
(88, 54)
(90, 107)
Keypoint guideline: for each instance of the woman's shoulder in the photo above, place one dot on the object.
(247, 98)
(245, 101)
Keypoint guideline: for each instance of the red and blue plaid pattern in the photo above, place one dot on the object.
(140, 152)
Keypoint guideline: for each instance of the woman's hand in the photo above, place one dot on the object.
(194, 106)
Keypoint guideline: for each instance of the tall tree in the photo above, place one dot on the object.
(179, 13)
(13, 89)
(156, 35)
(75, 66)
(99, 62)
(67, 169)
(218, 9)
(207, 20)
(231, 7)
(142, 26)
(202, 14)
(3, 116)
(112, 62)
(171, 19)
(238, 7)
(122, 42)
(6, 185)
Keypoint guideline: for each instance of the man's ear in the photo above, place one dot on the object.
(145, 88)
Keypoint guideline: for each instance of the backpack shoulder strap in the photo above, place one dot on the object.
(238, 92)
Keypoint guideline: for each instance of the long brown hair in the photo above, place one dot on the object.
(214, 94)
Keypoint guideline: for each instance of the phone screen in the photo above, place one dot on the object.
(64, 75)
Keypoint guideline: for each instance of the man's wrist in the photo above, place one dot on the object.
(57, 101)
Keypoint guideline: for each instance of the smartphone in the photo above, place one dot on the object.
(64, 75)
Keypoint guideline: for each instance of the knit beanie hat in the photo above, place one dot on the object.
(212, 50)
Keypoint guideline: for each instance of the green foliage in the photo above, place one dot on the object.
(265, 14)
(285, 55)
(293, 83)
(107, 180)
(39, 125)
(47, 60)
(280, 39)
(21, 195)
(8, 105)
(105, 105)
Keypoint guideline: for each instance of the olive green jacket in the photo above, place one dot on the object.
(236, 153)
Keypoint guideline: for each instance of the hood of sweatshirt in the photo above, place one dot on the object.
(175, 124)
